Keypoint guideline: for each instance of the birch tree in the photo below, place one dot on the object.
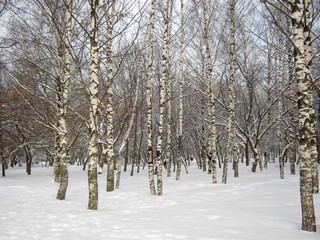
(269, 90)
(305, 128)
(169, 94)
(292, 90)
(181, 85)
(280, 106)
(308, 63)
(109, 107)
(231, 131)
(211, 97)
(94, 102)
(164, 75)
(148, 99)
(63, 105)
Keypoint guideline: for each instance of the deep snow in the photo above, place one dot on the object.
(255, 206)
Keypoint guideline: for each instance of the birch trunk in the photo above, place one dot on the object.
(256, 158)
(280, 107)
(181, 86)
(292, 112)
(28, 159)
(314, 153)
(57, 155)
(169, 98)
(63, 108)
(292, 90)
(94, 103)
(164, 74)
(211, 98)
(149, 103)
(59, 100)
(231, 131)
(308, 62)
(307, 206)
(269, 87)
(109, 95)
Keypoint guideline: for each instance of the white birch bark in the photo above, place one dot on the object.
(169, 99)
(292, 91)
(94, 103)
(164, 74)
(232, 90)
(280, 106)
(63, 108)
(308, 62)
(269, 104)
(109, 95)
(181, 86)
(211, 98)
(307, 205)
(148, 99)
(59, 99)
(231, 131)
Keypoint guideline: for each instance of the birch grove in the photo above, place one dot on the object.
(162, 84)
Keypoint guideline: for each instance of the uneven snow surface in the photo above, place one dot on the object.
(256, 206)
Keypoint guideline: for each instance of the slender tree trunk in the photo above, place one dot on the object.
(247, 152)
(269, 87)
(3, 166)
(94, 103)
(149, 103)
(307, 206)
(280, 107)
(134, 160)
(59, 107)
(169, 97)
(211, 98)
(57, 157)
(63, 108)
(119, 164)
(256, 159)
(203, 151)
(231, 131)
(126, 159)
(28, 159)
(181, 86)
(292, 109)
(164, 74)
(109, 95)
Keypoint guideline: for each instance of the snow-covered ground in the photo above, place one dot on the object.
(255, 206)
